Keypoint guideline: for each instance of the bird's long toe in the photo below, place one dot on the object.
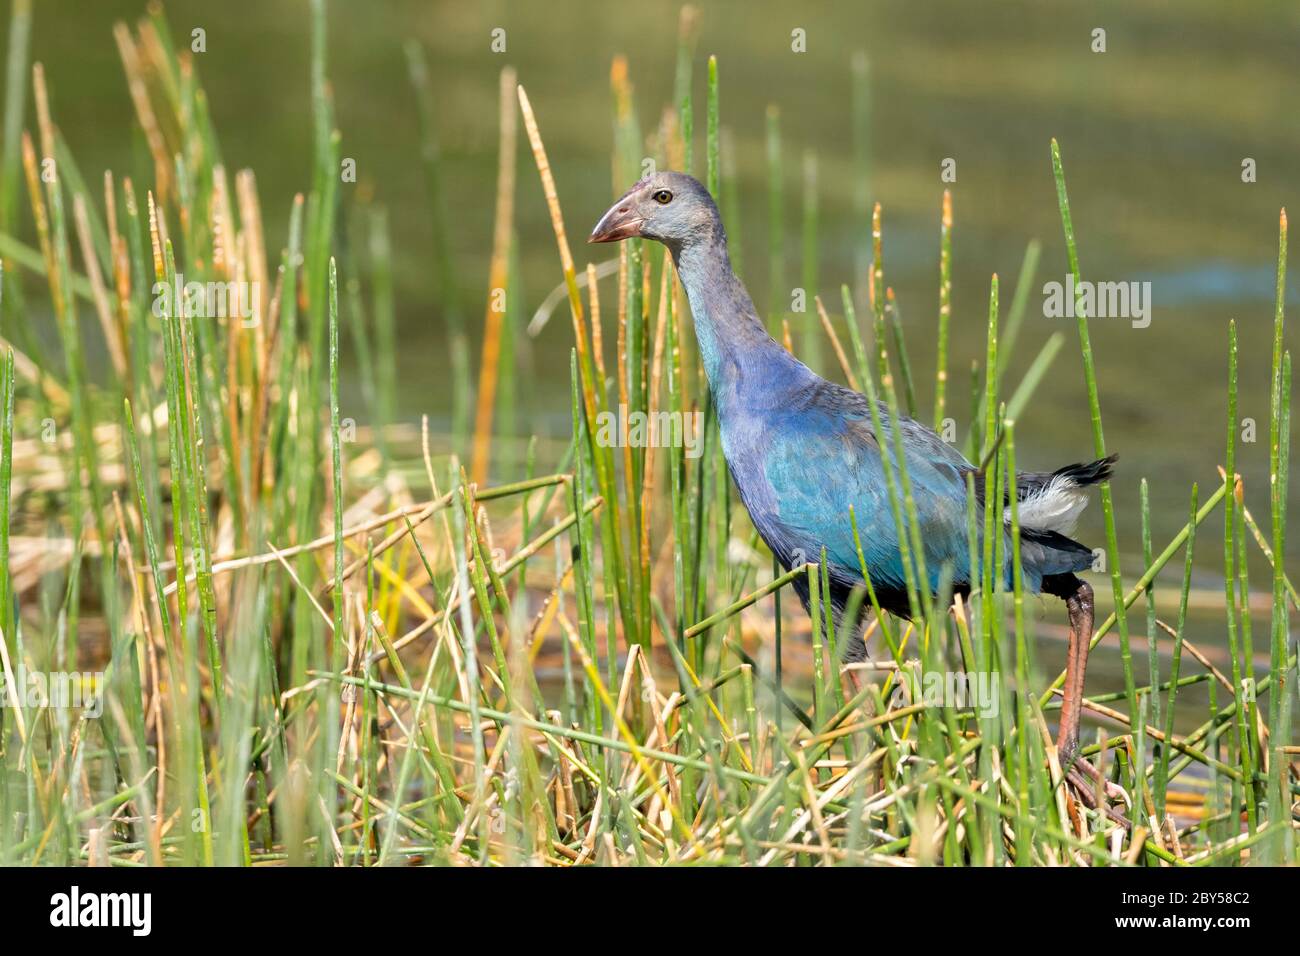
(1086, 782)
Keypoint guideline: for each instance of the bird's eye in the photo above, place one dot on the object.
(663, 197)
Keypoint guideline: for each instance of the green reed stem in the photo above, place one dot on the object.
(1098, 439)
(811, 339)
(1019, 304)
(1162, 770)
(6, 479)
(336, 449)
(1241, 666)
(860, 124)
(777, 303)
(1279, 850)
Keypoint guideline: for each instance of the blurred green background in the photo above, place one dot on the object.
(1153, 133)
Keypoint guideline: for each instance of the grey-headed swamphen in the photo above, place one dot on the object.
(801, 450)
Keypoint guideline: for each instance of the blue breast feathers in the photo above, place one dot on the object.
(801, 464)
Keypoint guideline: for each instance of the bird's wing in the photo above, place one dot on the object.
(824, 455)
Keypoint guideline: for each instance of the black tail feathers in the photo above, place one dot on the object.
(1089, 473)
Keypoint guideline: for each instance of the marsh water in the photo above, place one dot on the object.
(1154, 132)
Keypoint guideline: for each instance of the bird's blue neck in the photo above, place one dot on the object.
(735, 348)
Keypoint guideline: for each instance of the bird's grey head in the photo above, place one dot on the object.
(672, 208)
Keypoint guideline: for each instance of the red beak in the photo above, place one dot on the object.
(619, 223)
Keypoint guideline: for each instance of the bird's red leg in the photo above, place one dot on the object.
(1079, 606)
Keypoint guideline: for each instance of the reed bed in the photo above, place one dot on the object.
(314, 642)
